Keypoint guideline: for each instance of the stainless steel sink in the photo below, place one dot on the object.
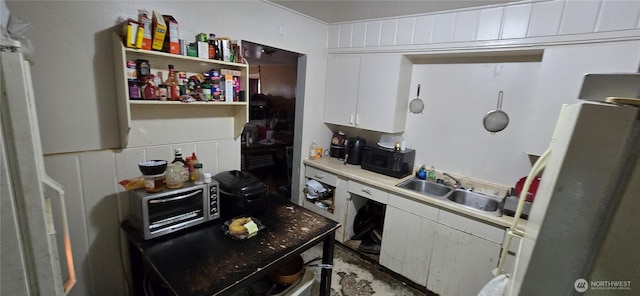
(425, 187)
(475, 200)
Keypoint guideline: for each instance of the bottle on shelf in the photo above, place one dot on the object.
(172, 85)
(185, 167)
(313, 150)
(149, 90)
(212, 46)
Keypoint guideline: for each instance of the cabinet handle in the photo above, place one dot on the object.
(366, 190)
(351, 119)
(357, 119)
(319, 176)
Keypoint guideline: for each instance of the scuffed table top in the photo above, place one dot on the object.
(204, 261)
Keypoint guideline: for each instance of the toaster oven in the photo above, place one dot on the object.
(171, 210)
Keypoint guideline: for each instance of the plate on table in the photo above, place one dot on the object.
(244, 236)
(267, 142)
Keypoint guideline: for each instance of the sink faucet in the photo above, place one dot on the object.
(454, 179)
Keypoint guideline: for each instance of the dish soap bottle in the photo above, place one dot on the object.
(431, 175)
(422, 173)
(313, 150)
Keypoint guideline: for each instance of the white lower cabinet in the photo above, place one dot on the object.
(407, 244)
(461, 263)
(448, 253)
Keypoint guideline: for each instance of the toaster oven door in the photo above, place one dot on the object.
(175, 211)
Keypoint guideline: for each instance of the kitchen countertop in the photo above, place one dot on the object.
(386, 183)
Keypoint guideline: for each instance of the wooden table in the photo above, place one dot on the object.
(204, 261)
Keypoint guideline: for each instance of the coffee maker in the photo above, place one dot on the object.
(353, 150)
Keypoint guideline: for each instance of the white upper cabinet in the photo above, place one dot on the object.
(368, 92)
(341, 95)
(560, 80)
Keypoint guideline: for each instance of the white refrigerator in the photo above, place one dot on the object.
(583, 231)
(35, 251)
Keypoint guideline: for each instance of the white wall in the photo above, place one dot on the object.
(76, 103)
(450, 134)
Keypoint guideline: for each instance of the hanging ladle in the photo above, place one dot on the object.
(496, 120)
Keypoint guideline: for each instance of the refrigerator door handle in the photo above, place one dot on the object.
(71, 280)
(514, 231)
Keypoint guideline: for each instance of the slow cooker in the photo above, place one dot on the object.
(241, 193)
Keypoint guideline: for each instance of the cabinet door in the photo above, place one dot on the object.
(461, 263)
(560, 80)
(406, 244)
(343, 73)
(383, 93)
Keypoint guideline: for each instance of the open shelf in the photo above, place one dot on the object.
(202, 120)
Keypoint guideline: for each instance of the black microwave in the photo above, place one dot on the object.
(388, 162)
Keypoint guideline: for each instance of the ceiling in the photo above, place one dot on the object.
(332, 11)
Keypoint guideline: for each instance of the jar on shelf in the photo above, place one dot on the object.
(206, 91)
(135, 92)
(163, 92)
(198, 174)
(143, 69)
(149, 90)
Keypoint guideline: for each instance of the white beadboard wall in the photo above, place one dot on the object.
(96, 204)
(516, 23)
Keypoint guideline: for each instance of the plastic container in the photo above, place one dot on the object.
(313, 150)
(198, 174)
(431, 175)
(207, 178)
(422, 173)
(174, 175)
(389, 141)
(154, 183)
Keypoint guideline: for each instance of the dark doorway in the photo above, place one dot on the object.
(268, 137)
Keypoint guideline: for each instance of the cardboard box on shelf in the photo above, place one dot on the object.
(230, 72)
(229, 92)
(172, 41)
(146, 23)
(159, 31)
(132, 33)
(203, 50)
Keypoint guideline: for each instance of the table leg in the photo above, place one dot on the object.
(327, 258)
